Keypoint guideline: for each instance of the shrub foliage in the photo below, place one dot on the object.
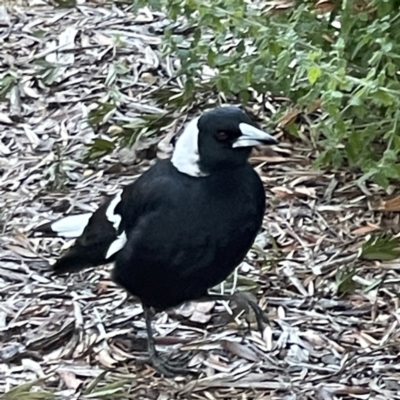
(341, 55)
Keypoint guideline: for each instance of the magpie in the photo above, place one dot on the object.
(183, 226)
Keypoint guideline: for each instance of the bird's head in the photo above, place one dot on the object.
(219, 139)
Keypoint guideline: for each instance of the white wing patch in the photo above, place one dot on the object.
(71, 226)
(117, 245)
(186, 153)
(115, 219)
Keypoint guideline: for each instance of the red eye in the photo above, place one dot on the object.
(221, 135)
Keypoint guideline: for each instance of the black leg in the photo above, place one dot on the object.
(162, 366)
(151, 345)
(245, 301)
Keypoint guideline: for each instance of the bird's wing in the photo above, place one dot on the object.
(71, 226)
(103, 234)
(99, 235)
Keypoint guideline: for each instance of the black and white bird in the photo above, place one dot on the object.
(184, 225)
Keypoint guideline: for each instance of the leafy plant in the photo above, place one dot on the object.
(60, 171)
(101, 114)
(128, 134)
(23, 392)
(384, 248)
(98, 148)
(146, 125)
(65, 3)
(344, 280)
(7, 81)
(345, 60)
(46, 71)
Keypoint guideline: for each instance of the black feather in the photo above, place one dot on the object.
(91, 247)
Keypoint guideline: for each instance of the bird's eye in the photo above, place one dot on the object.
(221, 135)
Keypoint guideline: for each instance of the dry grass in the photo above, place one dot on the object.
(335, 330)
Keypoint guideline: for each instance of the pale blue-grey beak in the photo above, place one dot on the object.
(252, 136)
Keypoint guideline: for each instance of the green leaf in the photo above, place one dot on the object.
(293, 129)
(92, 385)
(7, 82)
(39, 33)
(354, 146)
(111, 75)
(223, 85)
(244, 96)
(100, 115)
(189, 90)
(384, 98)
(211, 57)
(344, 280)
(383, 248)
(22, 391)
(259, 72)
(336, 94)
(98, 149)
(174, 10)
(375, 283)
(65, 3)
(114, 390)
(381, 179)
(313, 74)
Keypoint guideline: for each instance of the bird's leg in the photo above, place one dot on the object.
(151, 345)
(157, 362)
(245, 301)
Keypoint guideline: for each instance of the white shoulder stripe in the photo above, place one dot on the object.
(115, 219)
(117, 245)
(71, 226)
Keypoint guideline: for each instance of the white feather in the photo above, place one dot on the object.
(186, 153)
(71, 226)
(117, 245)
(115, 219)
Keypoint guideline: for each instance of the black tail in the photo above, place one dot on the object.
(78, 258)
(97, 238)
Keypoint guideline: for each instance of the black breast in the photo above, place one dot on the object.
(191, 235)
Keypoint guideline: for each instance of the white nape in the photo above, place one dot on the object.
(117, 245)
(186, 153)
(71, 226)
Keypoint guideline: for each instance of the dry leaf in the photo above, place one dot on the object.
(392, 204)
(105, 358)
(283, 192)
(21, 251)
(324, 6)
(288, 118)
(314, 107)
(240, 350)
(306, 191)
(70, 379)
(363, 230)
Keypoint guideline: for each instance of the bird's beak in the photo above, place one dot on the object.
(251, 136)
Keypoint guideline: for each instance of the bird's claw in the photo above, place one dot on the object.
(246, 301)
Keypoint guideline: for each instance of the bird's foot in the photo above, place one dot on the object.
(245, 302)
(169, 367)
